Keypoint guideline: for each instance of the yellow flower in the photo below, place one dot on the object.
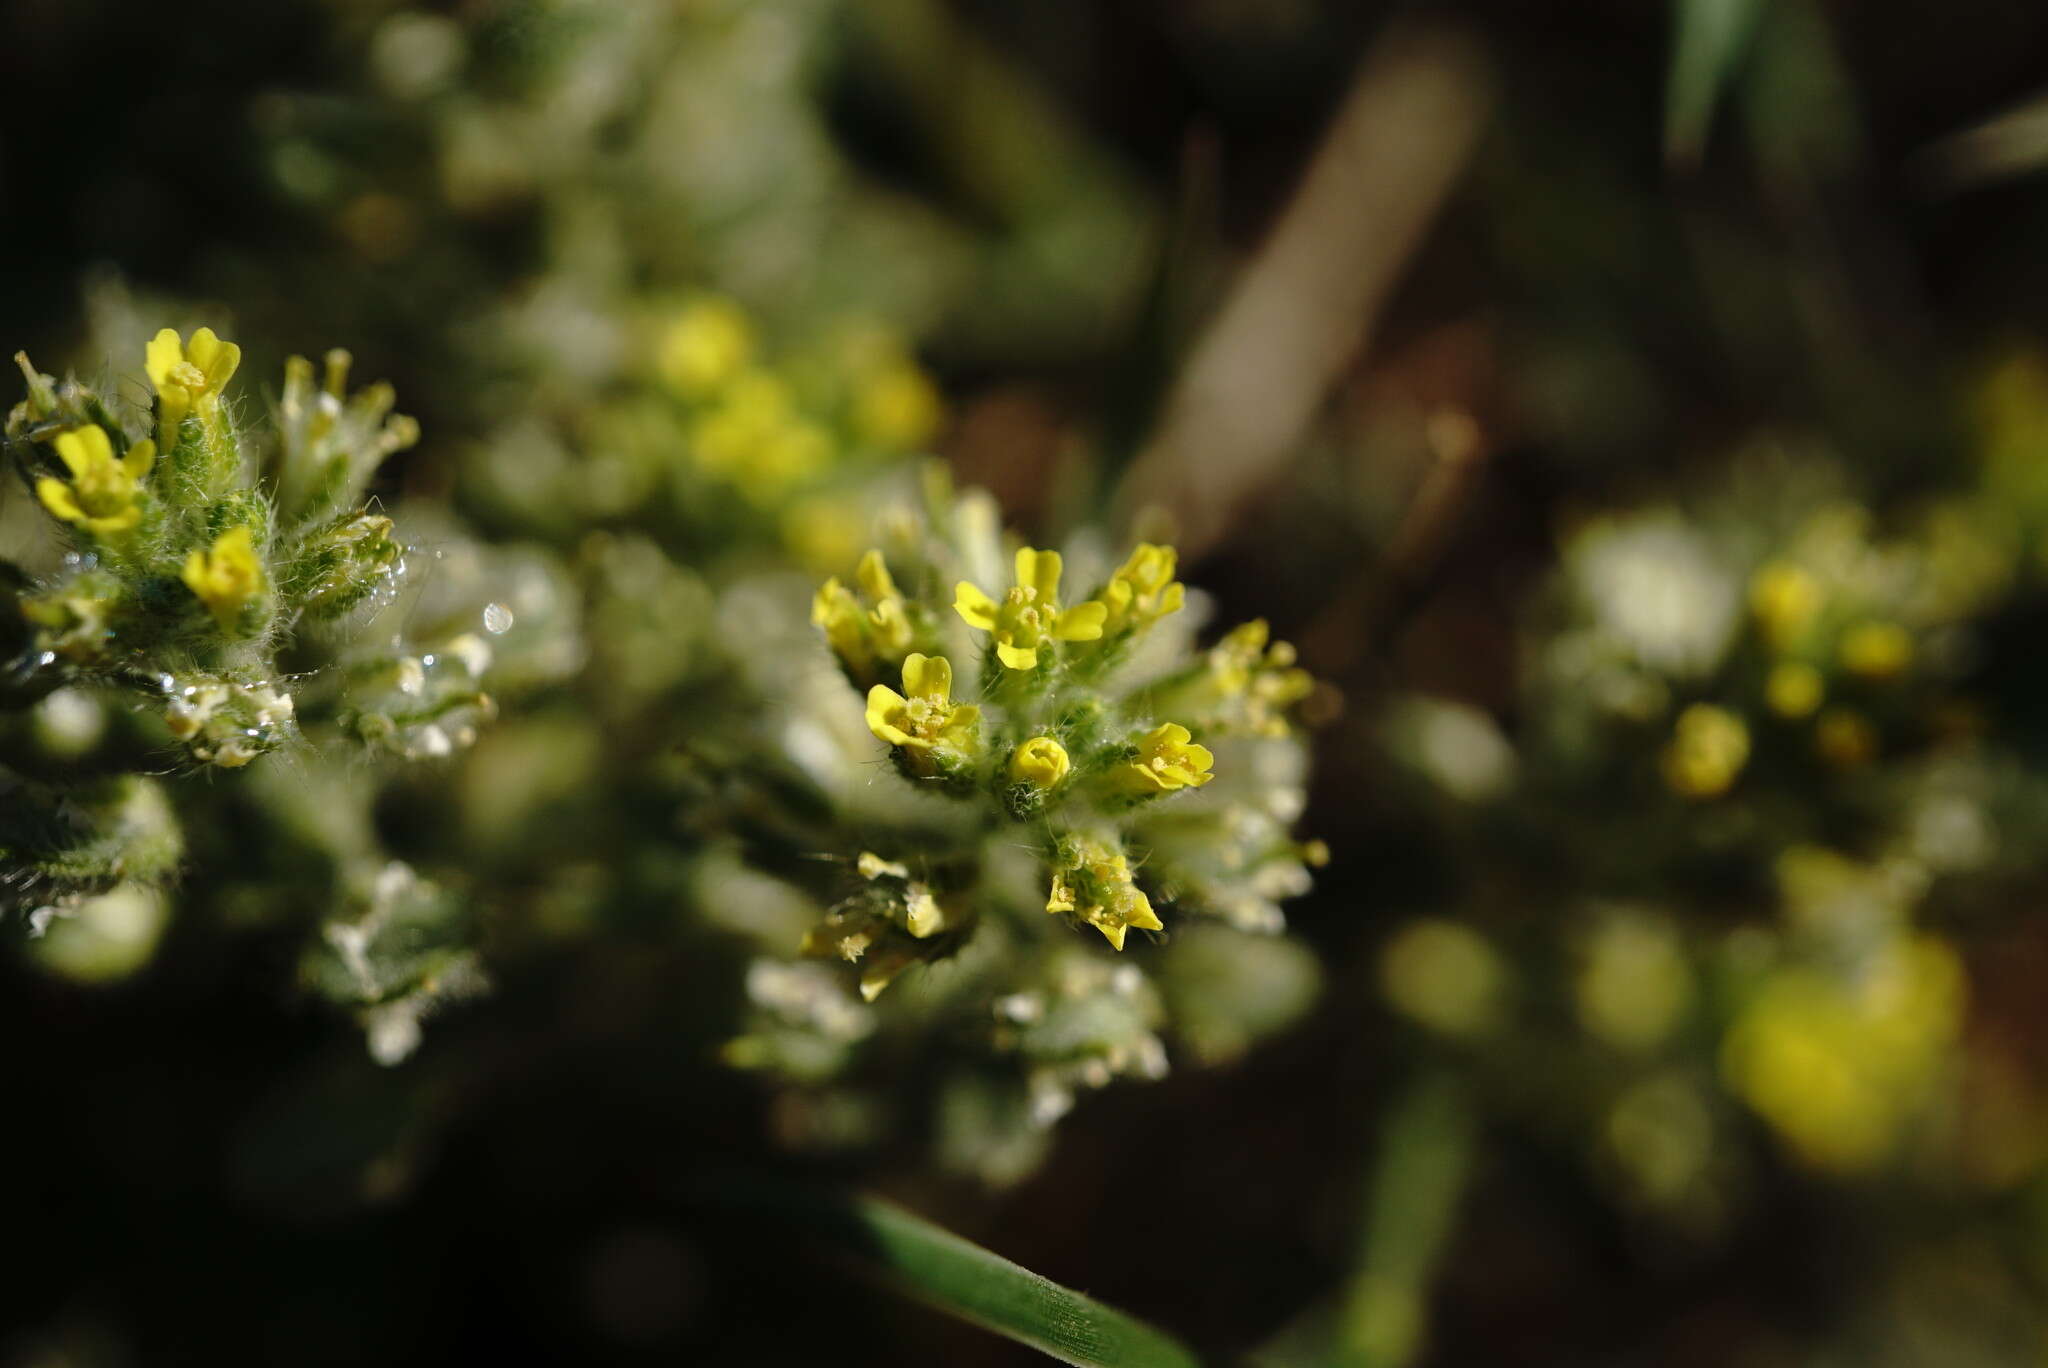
(1030, 613)
(1785, 599)
(228, 577)
(786, 456)
(1167, 760)
(709, 343)
(1040, 762)
(751, 410)
(188, 376)
(897, 408)
(1876, 650)
(927, 720)
(1247, 665)
(101, 495)
(1794, 689)
(1096, 886)
(1144, 589)
(859, 634)
(1708, 749)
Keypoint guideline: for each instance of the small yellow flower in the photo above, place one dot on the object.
(1030, 613)
(1144, 589)
(1040, 762)
(709, 343)
(750, 411)
(1097, 887)
(1708, 749)
(1167, 760)
(858, 634)
(101, 495)
(927, 720)
(188, 376)
(1785, 600)
(897, 409)
(227, 577)
(785, 457)
(1876, 650)
(1794, 689)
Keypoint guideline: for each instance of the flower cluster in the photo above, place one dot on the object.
(235, 585)
(1069, 761)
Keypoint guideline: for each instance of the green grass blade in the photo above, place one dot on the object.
(961, 1278)
(1709, 39)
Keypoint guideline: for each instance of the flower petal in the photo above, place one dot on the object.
(1082, 622)
(884, 705)
(58, 498)
(164, 352)
(141, 458)
(928, 677)
(974, 607)
(1017, 657)
(1040, 570)
(873, 576)
(84, 450)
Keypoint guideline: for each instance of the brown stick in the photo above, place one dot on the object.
(1302, 308)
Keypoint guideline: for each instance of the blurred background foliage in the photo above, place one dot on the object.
(1635, 414)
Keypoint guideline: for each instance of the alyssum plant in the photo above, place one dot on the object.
(192, 556)
(1071, 763)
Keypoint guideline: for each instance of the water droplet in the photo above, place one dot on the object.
(497, 619)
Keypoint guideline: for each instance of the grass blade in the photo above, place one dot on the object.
(959, 1277)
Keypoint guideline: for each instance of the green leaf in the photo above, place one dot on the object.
(959, 1277)
(1708, 44)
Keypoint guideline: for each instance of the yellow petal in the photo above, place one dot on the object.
(113, 522)
(1170, 602)
(1039, 570)
(1112, 931)
(216, 359)
(58, 498)
(959, 729)
(164, 352)
(1144, 918)
(141, 458)
(825, 605)
(974, 607)
(1171, 734)
(873, 575)
(884, 703)
(1082, 622)
(84, 449)
(1017, 657)
(928, 677)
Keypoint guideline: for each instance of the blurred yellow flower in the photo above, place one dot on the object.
(1040, 762)
(228, 576)
(1030, 613)
(706, 345)
(1708, 748)
(1876, 650)
(1785, 600)
(1794, 689)
(1168, 759)
(101, 495)
(897, 408)
(927, 719)
(188, 376)
(858, 633)
(1837, 1068)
